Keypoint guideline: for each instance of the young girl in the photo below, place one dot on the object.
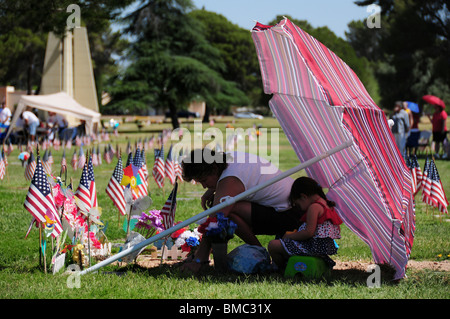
(319, 228)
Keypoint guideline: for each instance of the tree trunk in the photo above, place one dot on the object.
(29, 75)
(206, 116)
(174, 116)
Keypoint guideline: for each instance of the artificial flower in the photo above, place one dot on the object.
(218, 228)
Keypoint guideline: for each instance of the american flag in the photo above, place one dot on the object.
(47, 163)
(9, 149)
(56, 143)
(69, 143)
(150, 143)
(426, 183)
(63, 162)
(112, 151)
(128, 149)
(437, 192)
(99, 155)
(416, 174)
(31, 167)
(81, 158)
(86, 191)
(107, 155)
(144, 165)
(5, 158)
(129, 159)
(170, 167)
(50, 157)
(94, 157)
(139, 162)
(177, 167)
(169, 208)
(115, 190)
(159, 167)
(40, 202)
(2, 165)
(74, 161)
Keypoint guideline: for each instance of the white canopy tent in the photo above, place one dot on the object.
(60, 103)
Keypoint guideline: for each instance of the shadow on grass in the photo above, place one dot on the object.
(351, 277)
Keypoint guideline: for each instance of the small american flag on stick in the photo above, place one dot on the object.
(159, 167)
(115, 190)
(169, 208)
(39, 201)
(86, 191)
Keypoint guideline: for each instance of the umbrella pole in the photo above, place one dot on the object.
(229, 201)
(128, 224)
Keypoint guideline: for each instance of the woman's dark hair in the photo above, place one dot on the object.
(203, 162)
(308, 186)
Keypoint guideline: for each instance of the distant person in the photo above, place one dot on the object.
(410, 115)
(439, 128)
(412, 142)
(30, 123)
(57, 121)
(400, 127)
(5, 120)
(5, 115)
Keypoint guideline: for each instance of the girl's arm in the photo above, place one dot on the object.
(313, 213)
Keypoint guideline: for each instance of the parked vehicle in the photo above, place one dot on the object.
(248, 115)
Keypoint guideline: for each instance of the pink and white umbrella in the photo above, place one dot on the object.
(320, 103)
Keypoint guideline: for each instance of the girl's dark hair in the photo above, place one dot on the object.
(308, 186)
(203, 162)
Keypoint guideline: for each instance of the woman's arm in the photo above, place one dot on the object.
(228, 187)
(207, 198)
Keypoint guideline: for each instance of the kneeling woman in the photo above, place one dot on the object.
(225, 175)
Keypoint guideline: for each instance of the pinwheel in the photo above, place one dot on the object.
(131, 178)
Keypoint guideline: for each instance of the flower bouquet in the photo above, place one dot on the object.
(218, 228)
(186, 239)
(149, 223)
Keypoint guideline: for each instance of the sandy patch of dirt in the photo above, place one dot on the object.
(340, 265)
(412, 264)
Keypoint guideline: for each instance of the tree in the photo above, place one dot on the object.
(412, 50)
(171, 63)
(237, 51)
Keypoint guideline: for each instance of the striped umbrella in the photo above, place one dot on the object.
(320, 103)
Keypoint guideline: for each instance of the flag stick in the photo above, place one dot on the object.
(43, 249)
(89, 239)
(229, 201)
(40, 243)
(167, 237)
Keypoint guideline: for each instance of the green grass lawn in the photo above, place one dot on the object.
(21, 276)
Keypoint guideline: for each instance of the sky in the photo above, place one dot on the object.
(335, 14)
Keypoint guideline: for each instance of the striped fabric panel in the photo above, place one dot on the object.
(330, 107)
(275, 58)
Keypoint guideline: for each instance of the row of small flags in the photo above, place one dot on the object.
(56, 143)
(429, 182)
(41, 205)
(40, 202)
